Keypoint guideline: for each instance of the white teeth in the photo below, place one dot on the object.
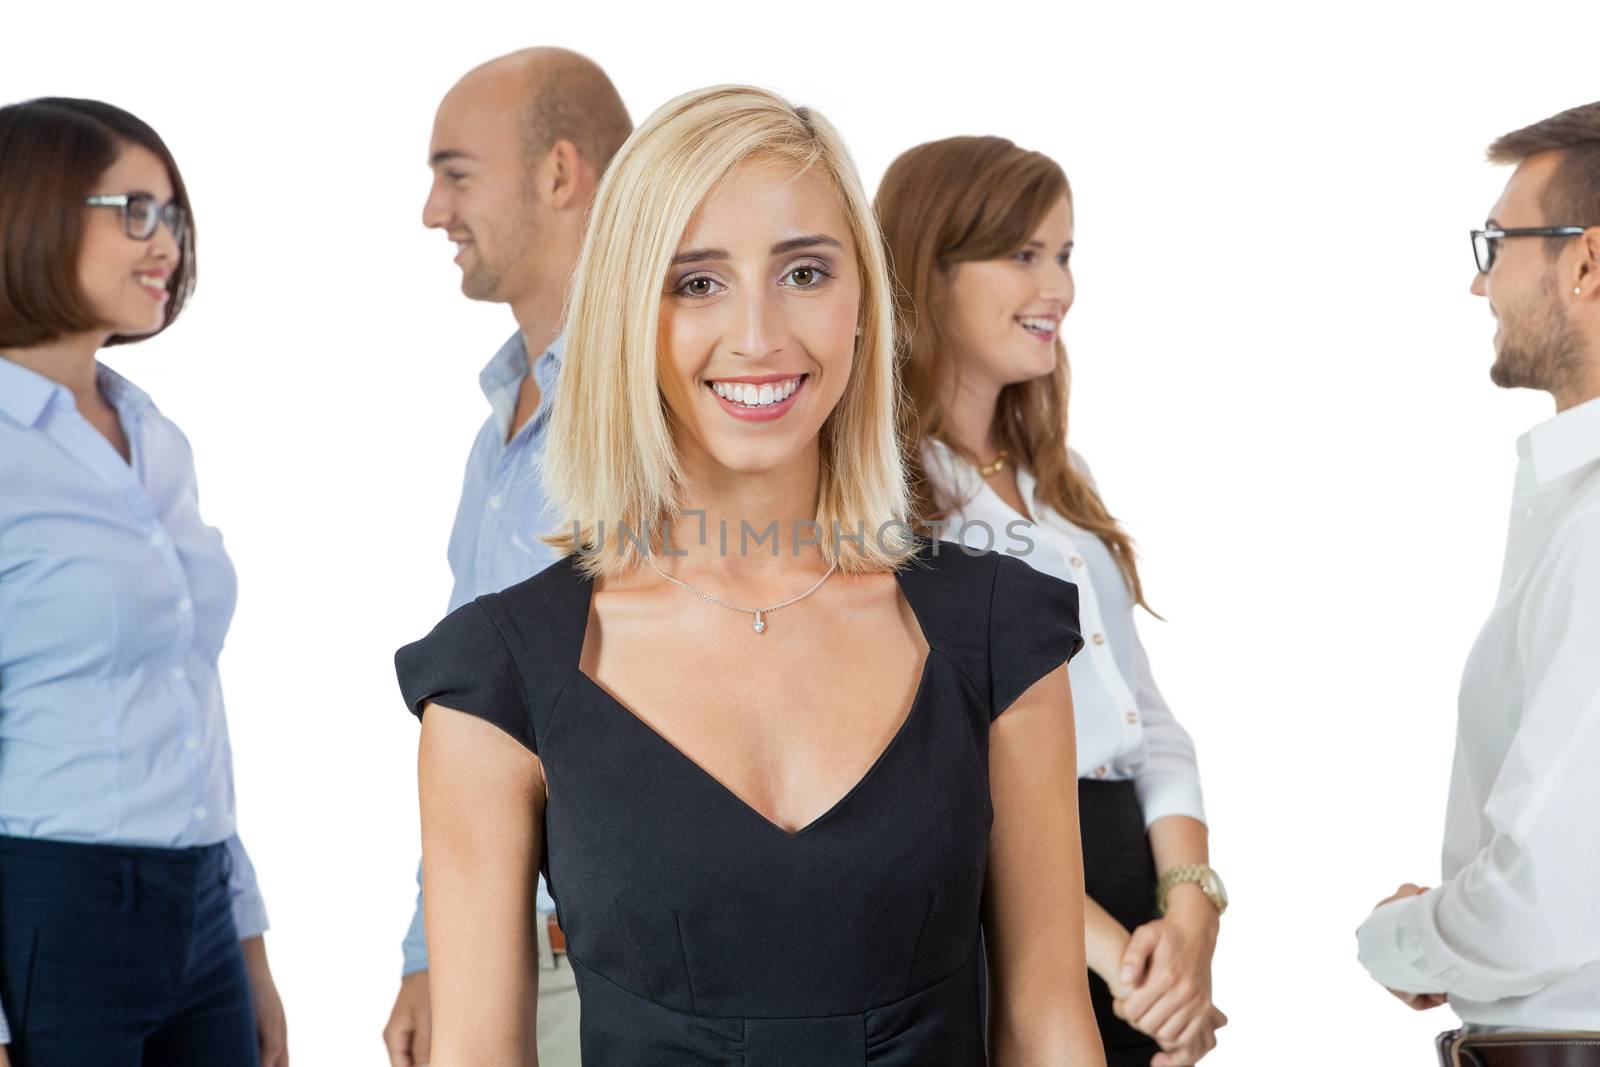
(755, 396)
(1038, 325)
(150, 280)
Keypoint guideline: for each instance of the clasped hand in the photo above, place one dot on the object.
(1164, 986)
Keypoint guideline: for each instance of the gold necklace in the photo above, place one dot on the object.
(989, 470)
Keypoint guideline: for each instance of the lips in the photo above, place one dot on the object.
(1040, 327)
(758, 399)
(154, 284)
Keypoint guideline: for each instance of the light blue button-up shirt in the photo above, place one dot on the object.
(115, 599)
(495, 541)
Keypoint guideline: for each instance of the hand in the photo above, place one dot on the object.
(4, 1060)
(409, 1033)
(1407, 890)
(272, 1030)
(1419, 1001)
(1168, 963)
(1191, 1047)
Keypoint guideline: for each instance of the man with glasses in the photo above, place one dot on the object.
(518, 148)
(1511, 936)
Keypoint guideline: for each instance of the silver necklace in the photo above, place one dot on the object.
(759, 613)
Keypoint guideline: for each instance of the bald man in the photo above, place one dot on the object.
(518, 148)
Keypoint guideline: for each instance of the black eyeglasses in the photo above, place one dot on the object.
(141, 214)
(1486, 243)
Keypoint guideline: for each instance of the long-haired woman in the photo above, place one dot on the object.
(130, 921)
(980, 236)
(780, 764)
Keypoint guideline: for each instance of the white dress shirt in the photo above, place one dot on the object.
(1125, 730)
(1512, 933)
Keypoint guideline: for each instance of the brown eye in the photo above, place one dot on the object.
(698, 287)
(803, 276)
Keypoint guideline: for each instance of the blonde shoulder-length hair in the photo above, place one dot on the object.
(610, 460)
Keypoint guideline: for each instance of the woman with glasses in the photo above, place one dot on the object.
(130, 922)
(980, 233)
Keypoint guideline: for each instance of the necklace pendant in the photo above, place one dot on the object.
(761, 623)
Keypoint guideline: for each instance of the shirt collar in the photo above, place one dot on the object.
(1561, 445)
(501, 378)
(119, 392)
(24, 394)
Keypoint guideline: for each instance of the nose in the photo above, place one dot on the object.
(1055, 283)
(435, 210)
(759, 326)
(1480, 284)
(164, 243)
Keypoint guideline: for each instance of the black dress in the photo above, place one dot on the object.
(698, 931)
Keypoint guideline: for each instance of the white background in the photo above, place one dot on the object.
(1280, 378)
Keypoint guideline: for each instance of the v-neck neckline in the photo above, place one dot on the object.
(586, 603)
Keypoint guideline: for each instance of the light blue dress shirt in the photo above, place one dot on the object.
(115, 599)
(495, 541)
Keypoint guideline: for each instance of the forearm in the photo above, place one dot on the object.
(1104, 942)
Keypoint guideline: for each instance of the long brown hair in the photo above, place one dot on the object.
(960, 200)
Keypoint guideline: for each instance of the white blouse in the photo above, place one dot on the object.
(1125, 729)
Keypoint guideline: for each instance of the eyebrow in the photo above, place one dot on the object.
(445, 155)
(793, 244)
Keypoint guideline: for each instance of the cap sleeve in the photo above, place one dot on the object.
(464, 663)
(1033, 629)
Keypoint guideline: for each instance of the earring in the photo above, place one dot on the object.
(1577, 290)
(858, 331)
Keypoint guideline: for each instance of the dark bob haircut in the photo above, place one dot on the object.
(52, 151)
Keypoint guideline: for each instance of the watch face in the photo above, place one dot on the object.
(1213, 889)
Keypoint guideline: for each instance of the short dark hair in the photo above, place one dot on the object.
(571, 99)
(52, 151)
(1572, 195)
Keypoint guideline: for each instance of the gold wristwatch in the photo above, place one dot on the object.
(1199, 874)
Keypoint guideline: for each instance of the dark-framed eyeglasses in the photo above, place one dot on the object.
(141, 214)
(1486, 243)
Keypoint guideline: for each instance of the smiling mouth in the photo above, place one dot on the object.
(759, 400)
(153, 284)
(1041, 328)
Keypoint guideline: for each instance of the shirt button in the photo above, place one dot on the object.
(199, 813)
(1077, 561)
(185, 604)
(192, 744)
(1133, 716)
(494, 502)
(157, 539)
(179, 674)
(1099, 639)
(1100, 772)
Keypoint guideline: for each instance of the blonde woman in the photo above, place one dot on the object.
(981, 234)
(777, 759)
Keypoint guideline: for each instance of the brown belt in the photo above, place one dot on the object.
(558, 940)
(1458, 1048)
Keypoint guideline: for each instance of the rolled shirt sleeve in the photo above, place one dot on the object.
(415, 946)
(1521, 912)
(1168, 781)
(249, 909)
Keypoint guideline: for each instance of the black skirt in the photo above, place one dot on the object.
(1119, 874)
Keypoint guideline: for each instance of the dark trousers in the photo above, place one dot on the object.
(121, 957)
(1119, 874)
